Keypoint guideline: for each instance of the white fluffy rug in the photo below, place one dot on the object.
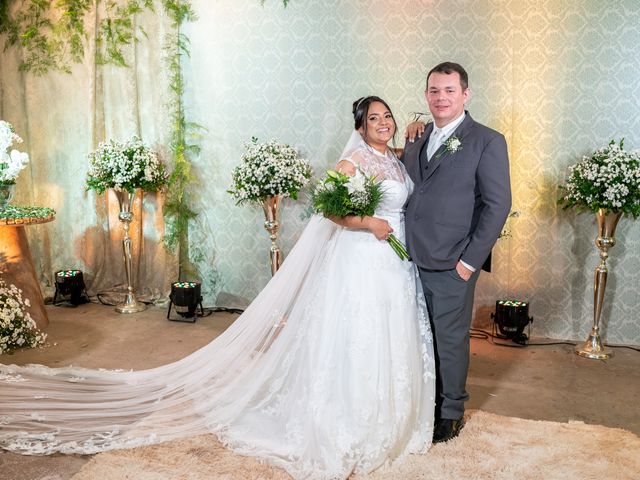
(489, 447)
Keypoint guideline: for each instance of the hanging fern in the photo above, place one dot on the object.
(118, 29)
(177, 208)
(52, 35)
(50, 39)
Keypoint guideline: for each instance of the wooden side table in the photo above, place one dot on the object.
(16, 263)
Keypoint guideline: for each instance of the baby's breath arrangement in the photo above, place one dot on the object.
(608, 179)
(125, 166)
(17, 328)
(269, 169)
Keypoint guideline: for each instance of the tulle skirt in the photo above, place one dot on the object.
(329, 371)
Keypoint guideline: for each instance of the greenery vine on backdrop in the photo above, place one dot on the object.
(52, 33)
(177, 209)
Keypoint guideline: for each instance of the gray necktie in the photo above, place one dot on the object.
(434, 142)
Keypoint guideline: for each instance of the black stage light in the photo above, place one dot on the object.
(511, 318)
(186, 297)
(70, 284)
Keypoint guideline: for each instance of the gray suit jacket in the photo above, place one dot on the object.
(461, 199)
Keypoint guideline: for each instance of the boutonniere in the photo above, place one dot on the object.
(452, 145)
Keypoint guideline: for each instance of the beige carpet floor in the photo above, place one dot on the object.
(491, 447)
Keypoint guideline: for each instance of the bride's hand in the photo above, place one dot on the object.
(379, 227)
(414, 129)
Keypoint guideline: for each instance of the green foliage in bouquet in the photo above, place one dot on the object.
(17, 328)
(340, 195)
(608, 179)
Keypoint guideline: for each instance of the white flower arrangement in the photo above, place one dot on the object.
(11, 162)
(125, 166)
(17, 328)
(269, 169)
(607, 179)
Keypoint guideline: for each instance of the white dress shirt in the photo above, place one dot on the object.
(440, 135)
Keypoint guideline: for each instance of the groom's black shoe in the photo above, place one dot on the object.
(445, 429)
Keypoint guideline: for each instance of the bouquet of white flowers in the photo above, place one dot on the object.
(340, 195)
(11, 162)
(17, 328)
(269, 169)
(125, 166)
(608, 179)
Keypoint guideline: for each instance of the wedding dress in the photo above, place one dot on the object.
(329, 371)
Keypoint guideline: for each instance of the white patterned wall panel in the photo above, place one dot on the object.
(558, 79)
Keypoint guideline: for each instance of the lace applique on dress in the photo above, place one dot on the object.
(384, 166)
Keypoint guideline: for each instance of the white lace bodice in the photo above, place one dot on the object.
(384, 166)
(390, 172)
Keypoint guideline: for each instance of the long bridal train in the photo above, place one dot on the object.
(329, 371)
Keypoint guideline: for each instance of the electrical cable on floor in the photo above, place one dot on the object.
(624, 346)
(110, 304)
(99, 297)
(224, 309)
(485, 335)
(481, 334)
(208, 310)
(489, 337)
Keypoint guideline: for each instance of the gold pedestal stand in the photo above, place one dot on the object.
(125, 199)
(607, 223)
(271, 207)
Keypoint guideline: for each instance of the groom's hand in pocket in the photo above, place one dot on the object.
(463, 271)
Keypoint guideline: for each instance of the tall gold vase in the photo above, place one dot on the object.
(125, 199)
(607, 223)
(271, 207)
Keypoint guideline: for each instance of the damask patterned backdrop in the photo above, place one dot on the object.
(559, 79)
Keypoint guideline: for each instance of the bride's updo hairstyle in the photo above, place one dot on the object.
(361, 110)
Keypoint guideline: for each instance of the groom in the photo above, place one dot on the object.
(459, 204)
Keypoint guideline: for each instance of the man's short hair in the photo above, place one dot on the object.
(448, 68)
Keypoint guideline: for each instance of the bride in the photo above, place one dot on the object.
(329, 371)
